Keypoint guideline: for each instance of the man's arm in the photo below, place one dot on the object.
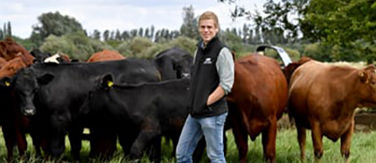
(225, 68)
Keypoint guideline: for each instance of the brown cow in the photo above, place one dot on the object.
(11, 67)
(9, 49)
(105, 55)
(2, 61)
(323, 98)
(290, 68)
(256, 102)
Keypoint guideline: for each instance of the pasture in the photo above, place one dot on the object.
(363, 150)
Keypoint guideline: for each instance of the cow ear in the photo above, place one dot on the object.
(107, 81)
(363, 76)
(6, 82)
(45, 79)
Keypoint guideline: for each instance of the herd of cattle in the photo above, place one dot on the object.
(137, 101)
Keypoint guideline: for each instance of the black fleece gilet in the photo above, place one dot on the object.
(205, 80)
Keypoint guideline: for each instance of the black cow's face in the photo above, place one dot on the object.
(182, 67)
(26, 86)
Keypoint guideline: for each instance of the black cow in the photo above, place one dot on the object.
(149, 110)
(174, 63)
(58, 92)
(12, 121)
(39, 56)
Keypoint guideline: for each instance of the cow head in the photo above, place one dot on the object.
(182, 66)
(174, 63)
(27, 84)
(9, 49)
(368, 90)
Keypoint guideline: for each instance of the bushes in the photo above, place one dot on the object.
(75, 45)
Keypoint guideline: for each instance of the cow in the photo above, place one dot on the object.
(41, 57)
(290, 68)
(12, 122)
(9, 49)
(2, 61)
(323, 98)
(173, 63)
(256, 102)
(56, 93)
(12, 67)
(105, 55)
(150, 110)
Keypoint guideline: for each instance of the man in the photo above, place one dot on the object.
(212, 79)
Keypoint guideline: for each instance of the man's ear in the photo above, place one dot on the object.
(107, 81)
(45, 79)
(6, 82)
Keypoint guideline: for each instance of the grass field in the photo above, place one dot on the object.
(363, 150)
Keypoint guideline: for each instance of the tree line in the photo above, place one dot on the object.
(326, 30)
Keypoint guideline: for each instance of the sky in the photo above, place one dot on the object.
(116, 14)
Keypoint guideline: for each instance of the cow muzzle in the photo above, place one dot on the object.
(29, 111)
(185, 75)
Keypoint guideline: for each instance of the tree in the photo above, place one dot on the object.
(96, 34)
(9, 29)
(280, 21)
(344, 24)
(189, 26)
(54, 24)
(106, 35)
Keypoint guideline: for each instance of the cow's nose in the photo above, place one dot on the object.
(185, 75)
(29, 112)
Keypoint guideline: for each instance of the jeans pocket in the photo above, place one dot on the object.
(220, 120)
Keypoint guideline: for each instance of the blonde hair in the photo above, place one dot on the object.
(209, 15)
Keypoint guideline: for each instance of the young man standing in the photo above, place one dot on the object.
(212, 79)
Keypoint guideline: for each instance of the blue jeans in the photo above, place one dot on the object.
(194, 128)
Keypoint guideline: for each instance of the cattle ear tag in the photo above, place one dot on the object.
(110, 83)
(7, 84)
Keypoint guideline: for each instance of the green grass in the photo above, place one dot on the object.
(363, 150)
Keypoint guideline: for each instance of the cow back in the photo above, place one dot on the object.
(260, 82)
(105, 55)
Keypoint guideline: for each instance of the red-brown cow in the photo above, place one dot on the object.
(11, 67)
(105, 55)
(2, 61)
(323, 98)
(9, 49)
(256, 102)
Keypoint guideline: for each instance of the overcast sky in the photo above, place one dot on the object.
(115, 14)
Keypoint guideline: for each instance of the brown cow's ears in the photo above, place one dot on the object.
(363, 77)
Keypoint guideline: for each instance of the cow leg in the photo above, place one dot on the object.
(241, 140)
(143, 139)
(10, 141)
(21, 142)
(317, 141)
(154, 151)
(36, 142)
(126, 139)
(301, 140)
(346, 141)
(268, 141)
(75, 137)
(102, 142)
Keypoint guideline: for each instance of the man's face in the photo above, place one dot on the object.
(207, 30)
